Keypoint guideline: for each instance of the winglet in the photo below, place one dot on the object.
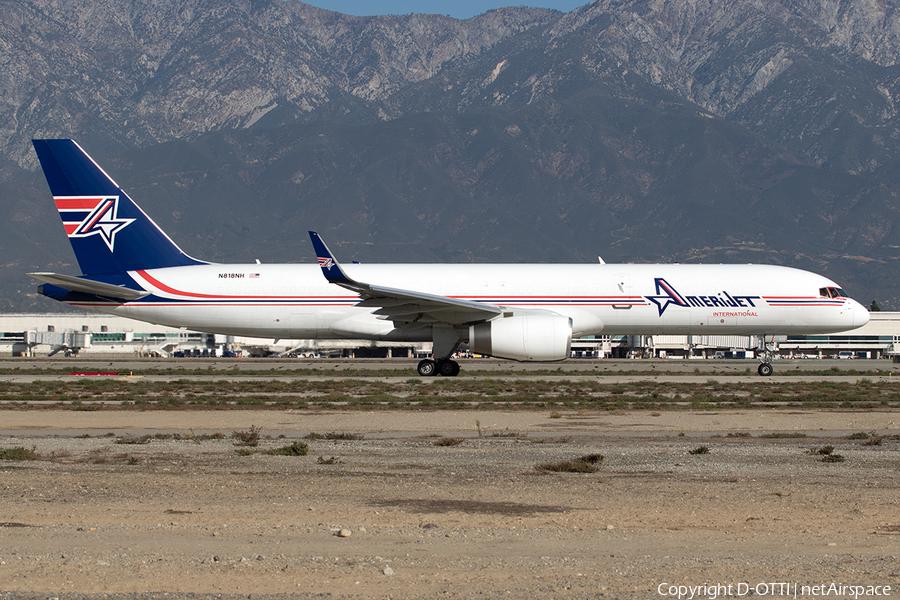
(330, 266)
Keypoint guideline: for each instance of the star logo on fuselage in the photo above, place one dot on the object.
(668, 297)
(103, 221)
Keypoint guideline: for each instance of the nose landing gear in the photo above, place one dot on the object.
(768, 351)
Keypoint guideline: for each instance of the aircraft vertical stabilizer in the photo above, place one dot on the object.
(109, 233)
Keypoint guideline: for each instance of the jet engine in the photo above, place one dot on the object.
(530, 337)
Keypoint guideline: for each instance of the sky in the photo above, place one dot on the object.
(459, 9)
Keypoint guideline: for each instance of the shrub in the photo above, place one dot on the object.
(247, 438)
(19, 453)
(594, 459)
(295, 449)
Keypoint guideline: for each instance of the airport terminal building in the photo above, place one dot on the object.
(92, 334)
(879, 338)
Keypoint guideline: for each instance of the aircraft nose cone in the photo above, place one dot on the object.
(859, 314)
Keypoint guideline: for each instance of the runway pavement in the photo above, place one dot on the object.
(581, 366)
(24, 370)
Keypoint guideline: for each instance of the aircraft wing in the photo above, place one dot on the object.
(87, 286)
(403, 306)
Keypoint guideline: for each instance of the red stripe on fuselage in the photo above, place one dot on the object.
(170, 290)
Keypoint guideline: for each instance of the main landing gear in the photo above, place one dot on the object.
(765, 369)
(447, 368)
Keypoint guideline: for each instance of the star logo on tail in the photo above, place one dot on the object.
(326, 263)
(104, 221)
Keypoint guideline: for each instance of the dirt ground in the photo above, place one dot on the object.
(94, 515)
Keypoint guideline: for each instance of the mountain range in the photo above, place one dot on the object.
(636, 130)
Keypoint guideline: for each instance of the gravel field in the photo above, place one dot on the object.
(387, 513)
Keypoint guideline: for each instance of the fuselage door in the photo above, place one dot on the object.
(622, 291)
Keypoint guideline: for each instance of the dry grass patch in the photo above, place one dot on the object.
(833, 458)
(334, 436)
(134, 439)
(448, 441)
(19, 453)
(589, 463)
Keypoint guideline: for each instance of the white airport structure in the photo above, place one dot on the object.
(879, 338)
(90, 334)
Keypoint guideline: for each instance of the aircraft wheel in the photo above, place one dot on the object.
(765, 369)
(427, 368)
(448, 368)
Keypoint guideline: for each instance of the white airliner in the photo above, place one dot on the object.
(524, 312)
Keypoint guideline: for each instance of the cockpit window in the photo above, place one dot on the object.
(832, 292)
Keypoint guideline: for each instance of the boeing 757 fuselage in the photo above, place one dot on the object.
(525, 312)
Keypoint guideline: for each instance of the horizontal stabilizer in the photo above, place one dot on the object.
(87, 286)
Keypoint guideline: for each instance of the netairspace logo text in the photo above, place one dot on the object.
(712, 591)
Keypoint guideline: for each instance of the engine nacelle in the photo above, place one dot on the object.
(537, 338)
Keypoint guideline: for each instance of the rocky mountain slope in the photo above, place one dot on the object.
(642, 130)
(155, 70)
